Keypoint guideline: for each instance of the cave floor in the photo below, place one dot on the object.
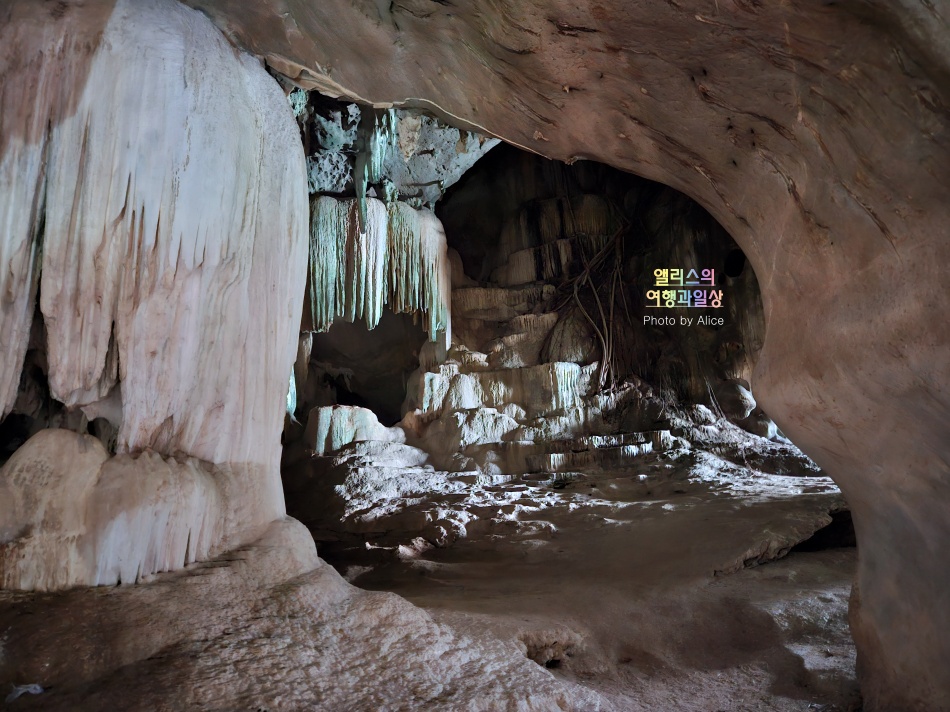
(685, 600)
(773, 637)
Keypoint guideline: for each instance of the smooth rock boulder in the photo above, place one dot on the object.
(734, 399)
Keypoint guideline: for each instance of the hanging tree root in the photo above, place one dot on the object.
(600, 273)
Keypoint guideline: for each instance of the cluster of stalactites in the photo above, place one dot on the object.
(399, 259)
(376, 136)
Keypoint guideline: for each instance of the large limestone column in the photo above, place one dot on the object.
(817, 134)
(153, 198)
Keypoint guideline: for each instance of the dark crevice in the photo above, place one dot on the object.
(735, 263)
(837, 535)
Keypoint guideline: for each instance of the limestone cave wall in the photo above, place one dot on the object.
(517, 219)
(155, 228)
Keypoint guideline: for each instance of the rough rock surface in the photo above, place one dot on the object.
(517, 219)
(489, 485)
(425, 156)
(772, 638)
(817, 136)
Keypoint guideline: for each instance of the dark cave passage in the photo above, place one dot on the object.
(572, 368)
(353, 365)
(516, 219)
(592, 238)
(839, 534)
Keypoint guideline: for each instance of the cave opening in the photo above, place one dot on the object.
(549, 264)
(602, 335)
(582, 413)
(597, 235)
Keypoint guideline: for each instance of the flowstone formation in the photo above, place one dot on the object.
(267, 626)
(375, 246)
(143, 247)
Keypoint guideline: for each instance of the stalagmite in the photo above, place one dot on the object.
(400, 259)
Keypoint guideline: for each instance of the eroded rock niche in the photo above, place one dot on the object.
(513, 336)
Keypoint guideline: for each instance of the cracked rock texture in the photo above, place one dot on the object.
(817, 136)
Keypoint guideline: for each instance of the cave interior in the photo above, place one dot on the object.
(572, 393)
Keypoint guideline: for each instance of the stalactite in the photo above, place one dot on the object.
(348, 268)
(382, 139)
(329, 225)
(405, 256)
(400, 259)
(436, 276)
(377, 135)
(368, 258)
